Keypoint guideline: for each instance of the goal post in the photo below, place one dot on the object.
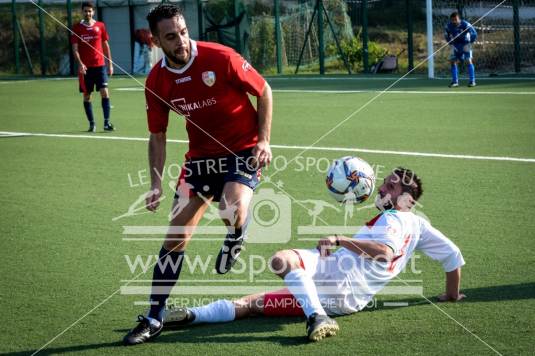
(430, 50)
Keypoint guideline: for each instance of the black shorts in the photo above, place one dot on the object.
(207, 176)
(94, 77)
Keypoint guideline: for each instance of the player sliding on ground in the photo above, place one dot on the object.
(460, 34)
(208, 84)
(321, 283)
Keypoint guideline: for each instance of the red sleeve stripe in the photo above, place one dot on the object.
(301, 263)
(373, 221)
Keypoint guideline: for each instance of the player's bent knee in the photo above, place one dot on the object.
(239, 215)
(283, 262)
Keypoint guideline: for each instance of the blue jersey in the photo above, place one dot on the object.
(467, 33)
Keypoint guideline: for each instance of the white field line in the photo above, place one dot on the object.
(289, 147)
(419, 92)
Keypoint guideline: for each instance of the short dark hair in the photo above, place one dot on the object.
(88, 4)
(455, 14)
(410, 182)
(161, 12)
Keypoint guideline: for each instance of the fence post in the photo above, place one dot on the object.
(321, 44)
(278, 40)
(516, 26)
(42, 54)
(364, 12)
(69, 24)
(430, 50)
(410, 43)
(200, 18)
(237, 26)
(16, 44)
(460, 8)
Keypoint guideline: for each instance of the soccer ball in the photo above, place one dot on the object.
(350, 179)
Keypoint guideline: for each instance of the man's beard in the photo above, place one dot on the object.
(384, 203)
(171, 56)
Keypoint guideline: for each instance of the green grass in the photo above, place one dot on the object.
(61, 253)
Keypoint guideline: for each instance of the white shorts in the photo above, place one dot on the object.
(334, 286)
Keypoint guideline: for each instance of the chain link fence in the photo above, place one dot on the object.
(279, 36)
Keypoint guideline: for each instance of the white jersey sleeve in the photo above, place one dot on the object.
(437, 246)
(386, 229)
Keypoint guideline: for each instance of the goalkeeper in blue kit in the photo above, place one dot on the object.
(460, 35)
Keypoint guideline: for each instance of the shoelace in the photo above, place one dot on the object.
(143, 323)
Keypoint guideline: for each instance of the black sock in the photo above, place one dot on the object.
(89, 112)
(242, 230)
(164, 277)
(106, 108)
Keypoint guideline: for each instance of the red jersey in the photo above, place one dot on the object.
(210, 91)
(91, 52)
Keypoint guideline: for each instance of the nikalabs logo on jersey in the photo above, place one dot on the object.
(185, 109)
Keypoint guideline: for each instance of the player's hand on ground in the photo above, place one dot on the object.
(262, 153)
(152, 200)
(447, 298)
(82, 69)
(326, 245)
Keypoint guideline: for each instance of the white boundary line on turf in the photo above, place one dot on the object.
(289, 147)
(429, 92)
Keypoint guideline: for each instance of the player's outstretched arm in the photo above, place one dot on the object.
(157, 143)
(262, 151)
(453, 285)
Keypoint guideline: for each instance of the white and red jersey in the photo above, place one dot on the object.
(360, 278)
(89, 39)
(211, 92)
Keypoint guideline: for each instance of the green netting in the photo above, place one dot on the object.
(295, 22)
(250, 26)
(7, 55)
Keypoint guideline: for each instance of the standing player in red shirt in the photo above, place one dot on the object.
(90, 45)
(208, 84)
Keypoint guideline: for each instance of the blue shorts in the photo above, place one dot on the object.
(94, 77)
(208, 176)
(461, 53)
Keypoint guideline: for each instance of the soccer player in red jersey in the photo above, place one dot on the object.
(208, 84)
(90, 46)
